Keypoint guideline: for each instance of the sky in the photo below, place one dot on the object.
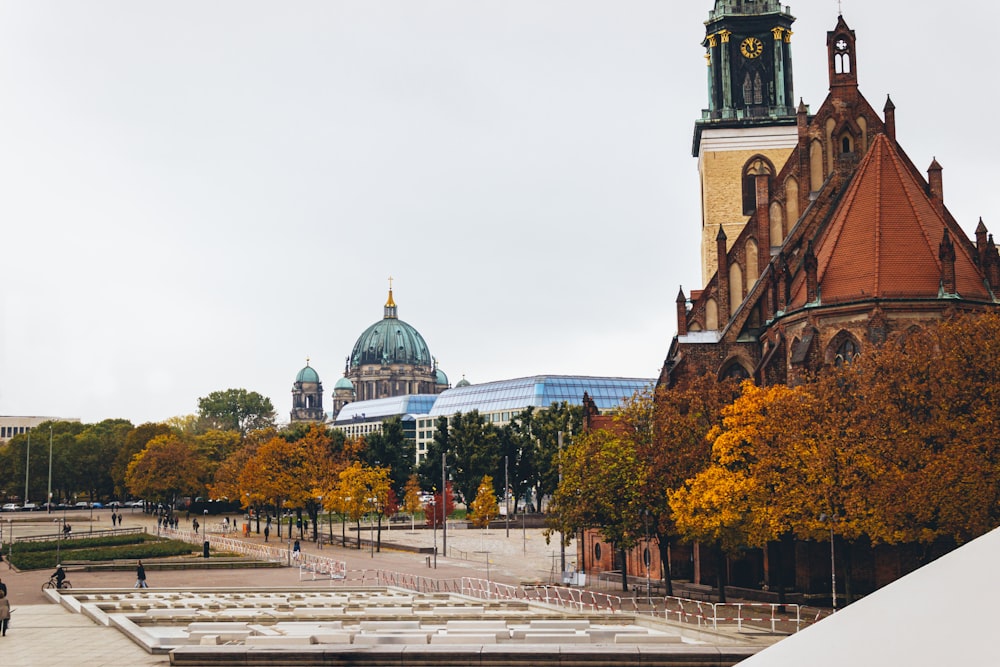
(196, 196)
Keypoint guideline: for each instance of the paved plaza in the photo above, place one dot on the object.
(43, 633)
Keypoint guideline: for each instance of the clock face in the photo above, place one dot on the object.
(751, 47)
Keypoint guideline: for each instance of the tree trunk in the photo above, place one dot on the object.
(720, 572)
(665, 574)
(624, 569)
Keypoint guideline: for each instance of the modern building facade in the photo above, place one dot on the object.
(11, 426)
(499, 402)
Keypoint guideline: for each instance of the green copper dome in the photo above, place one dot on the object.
(344, 383)
(390, 341)
(307, 374)
(441, 378)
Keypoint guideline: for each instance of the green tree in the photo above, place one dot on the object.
(545, 428)
(391, 449)
(601, 487)
(236, 410)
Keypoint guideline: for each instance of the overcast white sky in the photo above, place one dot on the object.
(199, 195)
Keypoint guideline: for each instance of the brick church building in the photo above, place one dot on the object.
(820, 239)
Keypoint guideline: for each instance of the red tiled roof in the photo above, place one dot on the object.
(883, 239)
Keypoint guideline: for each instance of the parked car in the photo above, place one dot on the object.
(134, 503)
(31, 507)
(97, 506)
(10, 507)
(82, 505)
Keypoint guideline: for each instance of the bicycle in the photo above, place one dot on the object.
(51, 583)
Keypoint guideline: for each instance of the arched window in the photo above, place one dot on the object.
(734, 371)
(750, 170)
(747, 90)
(842, 58)
(758, 94)
(844, 349)
(845, 144)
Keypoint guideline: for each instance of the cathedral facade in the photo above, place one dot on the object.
(390, 358)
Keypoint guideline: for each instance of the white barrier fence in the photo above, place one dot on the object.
(774, 617)
(316, 565)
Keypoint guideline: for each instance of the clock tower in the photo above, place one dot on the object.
(750, 122)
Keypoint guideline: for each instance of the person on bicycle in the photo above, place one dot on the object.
(59, 575)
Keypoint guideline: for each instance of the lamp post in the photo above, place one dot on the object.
(506, 498)
(49, 503)
(27, 466)
(833, 561)
(434, 525)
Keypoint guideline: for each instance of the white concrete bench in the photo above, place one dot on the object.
(647, 639)
(409, 639)
(281, 640)
(463, 638)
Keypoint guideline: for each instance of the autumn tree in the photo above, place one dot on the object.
(168, 467)
(135, 442)
(411, 499)
(602, 481)
(679, 449)
(361, 491)
(728, 505)
(484, 507)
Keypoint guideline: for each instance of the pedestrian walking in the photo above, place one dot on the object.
(4, 613)
(140, 576)
(267, 532)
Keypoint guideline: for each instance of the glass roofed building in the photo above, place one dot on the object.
(499, 402)
(364, 417)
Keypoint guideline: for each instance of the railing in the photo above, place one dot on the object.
(80, 536)
(316, 564)
(778, 618)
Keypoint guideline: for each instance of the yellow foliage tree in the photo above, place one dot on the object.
(485, 507)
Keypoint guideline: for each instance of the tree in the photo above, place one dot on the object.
(679, 449)
(484, 507)
(432, 510)
(601, 485)
(545, 428)
(411, 498)
(135, 442)
(390, 449)
(168, 467)
(361, 490)
(236, 410)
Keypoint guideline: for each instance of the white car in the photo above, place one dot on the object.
(30, 507)
(10, 507)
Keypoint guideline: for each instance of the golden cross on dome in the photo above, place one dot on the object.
(390, 283)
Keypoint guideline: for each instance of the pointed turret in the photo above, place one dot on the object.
(889, 112)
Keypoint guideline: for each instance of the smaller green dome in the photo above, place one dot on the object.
(307, 374)
(463, 383)
(344, 383)
(440, 378)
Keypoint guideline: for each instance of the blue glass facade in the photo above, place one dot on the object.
(538, 391)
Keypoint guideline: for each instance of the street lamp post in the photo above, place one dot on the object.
(833, 561)
(434, 525)
(49, 503)
(506, 498)
(27, 466)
